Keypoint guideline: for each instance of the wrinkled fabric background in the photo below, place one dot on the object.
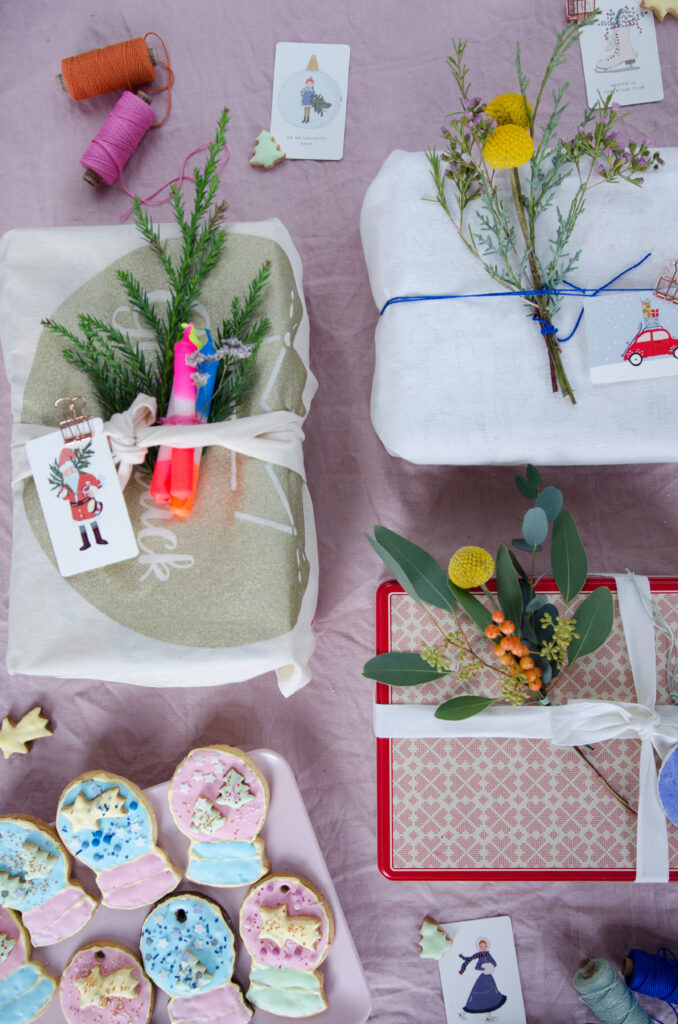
(399, 92)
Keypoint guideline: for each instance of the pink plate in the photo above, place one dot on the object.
(291, 845)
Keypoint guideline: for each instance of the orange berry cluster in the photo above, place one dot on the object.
(511, 651)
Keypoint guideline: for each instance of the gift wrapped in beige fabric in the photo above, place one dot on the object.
(224, 595)
(465, 381)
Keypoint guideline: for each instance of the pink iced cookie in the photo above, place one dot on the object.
(285, 922)
(25, 988)
(105, 984)
(219, 799)
(287, 928)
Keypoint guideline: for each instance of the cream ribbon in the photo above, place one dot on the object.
(271, 437)
(582, 722)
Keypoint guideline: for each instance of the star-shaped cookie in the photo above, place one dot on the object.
(660, 8)
(277, 925)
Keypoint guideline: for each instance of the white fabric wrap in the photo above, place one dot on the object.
(582, 722)
(39, 270)
(439, 393)
(272, 437)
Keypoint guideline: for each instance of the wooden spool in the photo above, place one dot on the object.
(151, 53)
(587, 968)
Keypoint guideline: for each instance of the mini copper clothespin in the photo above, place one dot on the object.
(667, 285)
(76, 427)
(577, 10)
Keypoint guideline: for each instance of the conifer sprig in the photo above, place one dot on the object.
(117, 367)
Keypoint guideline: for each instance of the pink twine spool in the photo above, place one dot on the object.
(123, 130)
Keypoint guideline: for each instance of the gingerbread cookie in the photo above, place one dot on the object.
(266, 153)
(219, 798)
(287, 928)
(108, 824)
(35, 879)
(103, 983)
(188, 949)
(25, 987)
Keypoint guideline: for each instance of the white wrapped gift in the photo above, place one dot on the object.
(466, 381)
(224, 595)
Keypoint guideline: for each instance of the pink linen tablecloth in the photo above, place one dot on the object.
(399, 92)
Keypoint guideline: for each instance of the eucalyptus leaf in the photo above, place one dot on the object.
(458, 708)
(593, 622)
(551, 501)
(569, 564)
(522, 545)
(535, 526)
(545, 633)
(401, 668)
(416, 571)
(525, 488)
(508, 587)
(533, 476)
(519, 569)
(474, 608)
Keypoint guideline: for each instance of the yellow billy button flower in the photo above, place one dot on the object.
(470, 567)
(509, 108)
(508, 146)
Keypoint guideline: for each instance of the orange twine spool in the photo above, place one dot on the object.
(125, 65)
(121, 66)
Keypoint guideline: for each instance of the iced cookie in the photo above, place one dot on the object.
(35, 880)
(188, 949)
(108, 824)
(660, 8)
(219, 799)
(105, 984)
(287, 928)
(266, 153)
(25, 989)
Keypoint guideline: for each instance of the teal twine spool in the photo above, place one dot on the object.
(606, 993)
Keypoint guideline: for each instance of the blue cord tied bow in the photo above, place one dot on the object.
(546, 327)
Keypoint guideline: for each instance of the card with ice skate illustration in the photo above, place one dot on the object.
(308, 112)
(479, 973)
(619, 52)
(81, 498)
(634, 335)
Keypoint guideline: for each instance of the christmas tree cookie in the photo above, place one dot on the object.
(287, 928)
(188, 948)
(433, 941)
(35, 879)
(219, 799)
(25, 988)
(108, 824)
(266, 153)
(104, 983)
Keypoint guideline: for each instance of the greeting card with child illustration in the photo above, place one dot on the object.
(479, 972)
(308, 113)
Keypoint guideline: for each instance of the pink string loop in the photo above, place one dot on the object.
(180, 178)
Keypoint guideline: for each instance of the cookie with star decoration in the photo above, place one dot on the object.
(104, 983)
(107, 823)
(287, 928)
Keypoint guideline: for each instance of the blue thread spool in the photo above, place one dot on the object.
(653, 975)
(605, 992)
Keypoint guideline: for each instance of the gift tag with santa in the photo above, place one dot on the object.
(82, 501)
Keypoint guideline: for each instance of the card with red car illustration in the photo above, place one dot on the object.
(82, 501)
(479, 972)
(631, 336)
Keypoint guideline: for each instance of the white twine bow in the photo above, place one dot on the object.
(271, 437)
(582, 722)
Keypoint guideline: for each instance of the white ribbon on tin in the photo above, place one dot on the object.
(271, 437)
(582, 722)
